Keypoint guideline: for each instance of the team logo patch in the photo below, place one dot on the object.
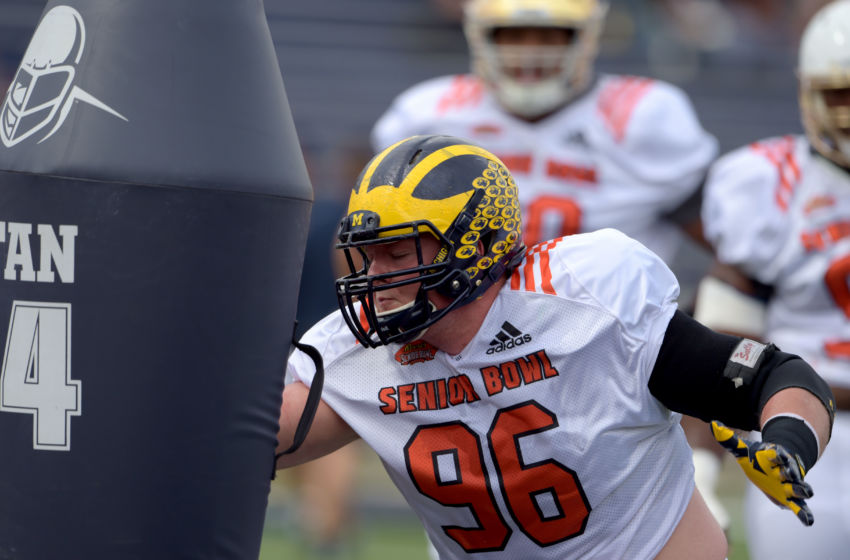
(747, 353)
(508, 337)
(415, 352)
(43, 92)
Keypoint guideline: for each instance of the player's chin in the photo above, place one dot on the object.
(388, 305)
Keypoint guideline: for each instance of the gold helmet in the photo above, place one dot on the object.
(824, 68)
(443, 186)
(532, 80)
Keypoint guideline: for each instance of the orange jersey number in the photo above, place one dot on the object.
(837, 283)
(544, 498)
(545, 208)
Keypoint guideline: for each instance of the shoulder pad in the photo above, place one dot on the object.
(604, 268)
(760, 176)
(414, 110)
(651, 129)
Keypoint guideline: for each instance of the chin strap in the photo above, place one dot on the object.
(313, 398)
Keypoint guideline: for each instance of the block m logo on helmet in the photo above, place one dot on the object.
(43, 91)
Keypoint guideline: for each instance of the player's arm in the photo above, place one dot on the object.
(328, 432)
(687, 217)
(751, 386)
(729, 301)
(734, 380)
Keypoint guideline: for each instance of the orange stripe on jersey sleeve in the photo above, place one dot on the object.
(618, 100)
(780, 152)
(793, 170)
(515, 280)
(546, 274)
(838, 350)
(465, 90)
(528, 269)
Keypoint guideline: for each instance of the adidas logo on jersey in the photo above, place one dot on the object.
(508, 337)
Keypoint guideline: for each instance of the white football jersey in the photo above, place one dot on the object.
(782, 215)
(540, 439)
(622, 155)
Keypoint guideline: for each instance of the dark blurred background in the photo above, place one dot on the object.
(343, 61)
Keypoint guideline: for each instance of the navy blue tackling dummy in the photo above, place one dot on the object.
(154, 206)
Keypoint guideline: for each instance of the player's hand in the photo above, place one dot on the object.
(772, 469)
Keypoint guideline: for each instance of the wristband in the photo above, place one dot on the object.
(795, 435)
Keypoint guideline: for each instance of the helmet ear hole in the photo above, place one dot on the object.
(484, 243)
(414, 157)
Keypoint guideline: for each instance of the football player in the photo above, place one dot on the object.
(587, 150)
(778, 213)
(525, 400)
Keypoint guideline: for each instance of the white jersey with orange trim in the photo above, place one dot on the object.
(782, 215)
(540, 439)
(622, 155)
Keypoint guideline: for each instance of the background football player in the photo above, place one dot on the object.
(588, 150)
(778, 211)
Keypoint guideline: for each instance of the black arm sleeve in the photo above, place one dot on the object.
(691, 376)
(688, 376)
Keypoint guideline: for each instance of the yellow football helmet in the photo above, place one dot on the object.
(824, 68)
(455, 191)
(532, 80)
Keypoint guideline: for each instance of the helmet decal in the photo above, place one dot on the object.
(43, 91)
(420, 188)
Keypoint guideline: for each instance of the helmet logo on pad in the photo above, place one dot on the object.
(43, 91)
(415, 352)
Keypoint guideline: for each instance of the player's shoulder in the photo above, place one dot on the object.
(331, 337)
(651, 128)
(442, 93)
(425, 106)
(604, 268)
(634, 105)
(768, 159)
(767, 170)
(746, 199)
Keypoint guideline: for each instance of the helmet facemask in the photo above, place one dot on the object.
(409, 321)
(532, 80)
(827, 124)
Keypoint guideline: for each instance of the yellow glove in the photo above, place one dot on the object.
(772, 469)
